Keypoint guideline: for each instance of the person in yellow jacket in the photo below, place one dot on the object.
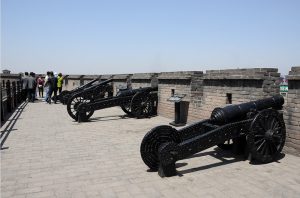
(59, 82)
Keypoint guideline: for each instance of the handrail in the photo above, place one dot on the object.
(11, 97)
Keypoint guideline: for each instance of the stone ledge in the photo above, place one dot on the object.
(293, 77)
(139, 76)
(121, 76)
(12, 76)
(237, 77)
(252, 73)
(180, 75)
(243, 71)
(75, 76)
(90, 77)
(107, 76)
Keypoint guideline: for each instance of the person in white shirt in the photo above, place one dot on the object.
(46, 86)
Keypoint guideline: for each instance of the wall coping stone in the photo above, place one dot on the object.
(121, 76)
(251, 73)
(242, 71)
(90, 77)
(147, 76)
(294, 74)
(296, 69)
(13, 76)
(180, 75)
(75, 76)
(236, 77)
(106, 76)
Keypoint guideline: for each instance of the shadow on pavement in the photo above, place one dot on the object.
(107, 118)
(217, 153)
(223, 156)
(11, 121)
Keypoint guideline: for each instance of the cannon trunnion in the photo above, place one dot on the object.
(259, 122)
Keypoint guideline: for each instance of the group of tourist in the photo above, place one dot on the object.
(50, 85)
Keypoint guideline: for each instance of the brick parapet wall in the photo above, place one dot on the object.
(181, 83)
(144, 80)
(121, 81)
(242, 85)
(88, 78)
(72, 81)
(292, 112)
(106, 77)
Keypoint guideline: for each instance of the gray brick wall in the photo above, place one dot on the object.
(242, 84)
(121, 81)
(181, 83)
(292, 112)
(144, 80)
(72, 81)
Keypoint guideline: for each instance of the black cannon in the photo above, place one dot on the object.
(137, 103)
(64, 96)
(259, 124)
(89, 94)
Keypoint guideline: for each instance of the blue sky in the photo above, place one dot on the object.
(131, 36)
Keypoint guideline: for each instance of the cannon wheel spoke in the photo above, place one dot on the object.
(73, 104)
(152, 141)
(141, 105)
(266, 135)
(126, 107)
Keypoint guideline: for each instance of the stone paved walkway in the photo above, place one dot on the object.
(47, 154)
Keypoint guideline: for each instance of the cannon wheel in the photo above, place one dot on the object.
(65, 98)
(62, 94)
(72, 105)
(125, 107)
(141, 105)
(153, 140)
(266, 136)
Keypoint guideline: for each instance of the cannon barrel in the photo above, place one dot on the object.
(134, 91)
(233, 113)
(99, 84)
(106, 81)
(88, 84)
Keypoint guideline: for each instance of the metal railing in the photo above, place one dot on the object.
(11, 97)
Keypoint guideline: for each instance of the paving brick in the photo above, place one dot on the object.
(56, 157)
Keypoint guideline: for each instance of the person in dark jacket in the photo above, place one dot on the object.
(24, 85)
(31, 88)
(52, 81)
(55, 88)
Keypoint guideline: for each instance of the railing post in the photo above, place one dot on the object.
(8, 93)
(19, 99)
(14, 94)
(2, 110)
